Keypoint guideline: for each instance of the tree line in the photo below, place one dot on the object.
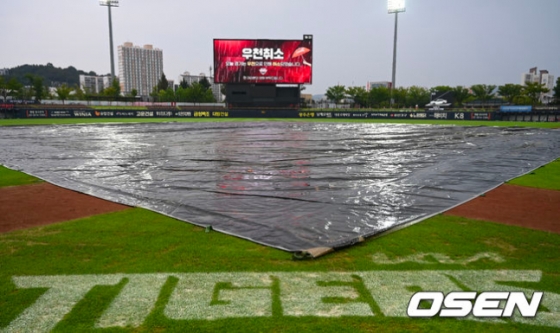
(196, 92)
(380, 97)
(34, 88)
(53, 76)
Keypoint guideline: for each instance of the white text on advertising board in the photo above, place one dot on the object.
(262, 53)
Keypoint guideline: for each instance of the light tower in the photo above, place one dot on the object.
(109, 4)
(396, 7)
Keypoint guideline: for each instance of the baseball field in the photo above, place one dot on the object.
(70, 262)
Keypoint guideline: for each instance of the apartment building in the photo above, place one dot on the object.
(140, 68)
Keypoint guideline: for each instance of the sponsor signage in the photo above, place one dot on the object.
(481, 116)
(6, 106)
(516, 108)
(34, 113)
(263, 61)
(83, 114)
(229, 114)
(60, 113)
(546, 108)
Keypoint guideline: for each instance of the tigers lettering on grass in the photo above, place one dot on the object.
(212, 296)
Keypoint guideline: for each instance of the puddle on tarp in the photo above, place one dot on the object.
(293, 186)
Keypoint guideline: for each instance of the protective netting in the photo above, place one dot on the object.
(293, 186)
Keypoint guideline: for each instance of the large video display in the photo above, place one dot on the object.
(263, 61)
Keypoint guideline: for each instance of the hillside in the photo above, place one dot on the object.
(53, 76)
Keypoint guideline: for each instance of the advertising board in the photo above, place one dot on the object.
(263, 61)
(516, 108)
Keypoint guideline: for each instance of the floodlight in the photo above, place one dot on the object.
(396, 6)
(110, 3)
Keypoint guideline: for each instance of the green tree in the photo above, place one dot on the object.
(336, 93)
(133, 93)
(461, 95)
(38, 87)
(63, 92)
(379, 97)
(440, 89)
(522, 100)
(358, 94)
(9, 88)
(181, 95)
(49, 73)
(3, 88)
(417, 96)
(88, 94)
(79, 93)
(483, 92)
(184, 84)
(163, 84)
(114, 90)
(24, 93)
(167, 95)
(197, 93)
(533, 90)
(510, 91)
(399, 96)
(557, 90)
(205, 83)
(155, 94)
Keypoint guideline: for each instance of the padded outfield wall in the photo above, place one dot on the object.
(548, 116)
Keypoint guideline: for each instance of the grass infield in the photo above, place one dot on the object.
(9, 177)
(138, 241)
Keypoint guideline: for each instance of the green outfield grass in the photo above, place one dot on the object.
(138, 241)
(9, 177)
(61, 121)
(547, 177)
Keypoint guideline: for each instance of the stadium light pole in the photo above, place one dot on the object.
(109, 4)
(396, 7)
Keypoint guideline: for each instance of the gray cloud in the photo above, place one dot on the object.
(440, 41)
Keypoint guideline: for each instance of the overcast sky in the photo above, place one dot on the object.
(440, 42)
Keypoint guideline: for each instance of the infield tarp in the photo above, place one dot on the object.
(293, 186)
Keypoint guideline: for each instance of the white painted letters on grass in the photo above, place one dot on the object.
(211, 296)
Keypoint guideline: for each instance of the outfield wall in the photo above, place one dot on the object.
(259, 113)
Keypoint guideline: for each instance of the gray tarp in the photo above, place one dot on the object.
(293, 186)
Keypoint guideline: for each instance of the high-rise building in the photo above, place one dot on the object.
(140, 68)
(544, 78)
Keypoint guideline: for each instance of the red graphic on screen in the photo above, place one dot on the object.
(263, 61)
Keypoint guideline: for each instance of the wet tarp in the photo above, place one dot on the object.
(294, 186)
